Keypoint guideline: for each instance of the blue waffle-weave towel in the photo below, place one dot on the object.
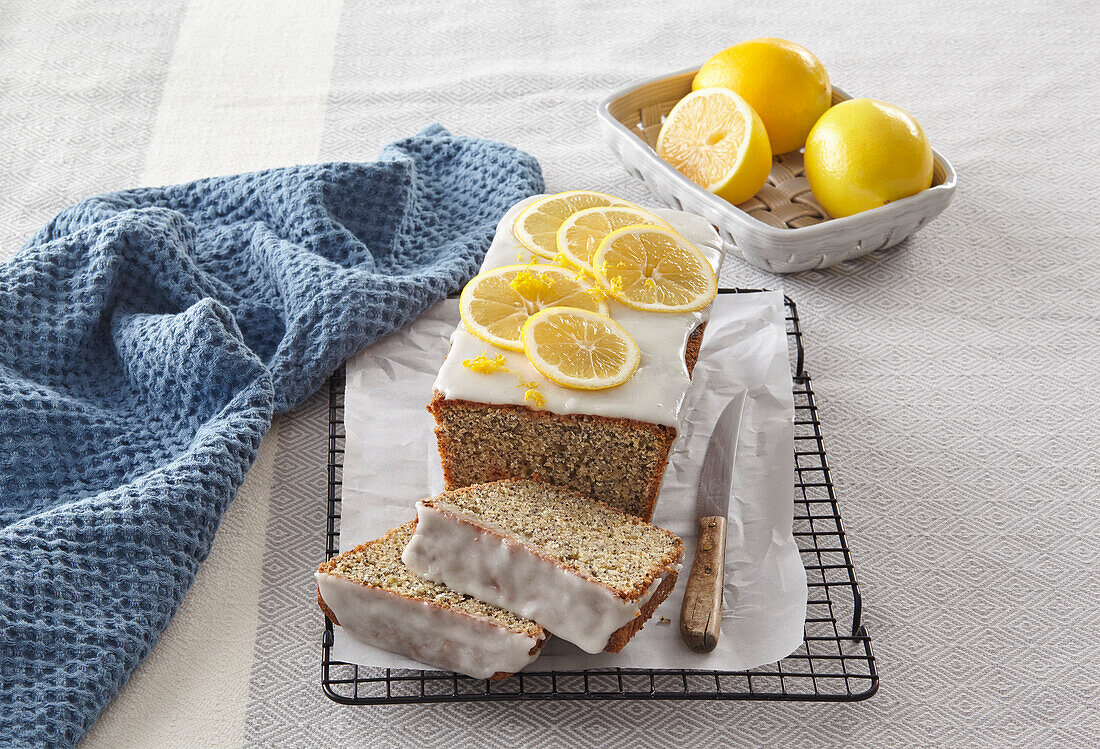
(146, 339)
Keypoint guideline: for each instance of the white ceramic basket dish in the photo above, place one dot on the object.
(782, 229)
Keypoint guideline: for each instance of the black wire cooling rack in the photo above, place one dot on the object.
(834, 663)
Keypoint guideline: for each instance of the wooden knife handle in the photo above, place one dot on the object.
(701, 614)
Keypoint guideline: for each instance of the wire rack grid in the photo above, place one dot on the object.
(835, 662)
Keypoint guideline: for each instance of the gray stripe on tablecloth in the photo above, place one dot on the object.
(285, 700)
(78, 119)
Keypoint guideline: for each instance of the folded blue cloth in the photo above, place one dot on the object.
(146, 339)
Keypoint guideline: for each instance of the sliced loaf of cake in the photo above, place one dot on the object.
(370, 593)
(589, 573)
(612, 444)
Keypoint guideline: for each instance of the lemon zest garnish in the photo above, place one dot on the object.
(615, 284)
(563, 261)
(531, 392)
(482, 364)
(649, 283)
(531, 284)
(596, 293)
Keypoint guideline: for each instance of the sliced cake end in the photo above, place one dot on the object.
(377, 599)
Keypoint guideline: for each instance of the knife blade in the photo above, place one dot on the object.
(701, 611)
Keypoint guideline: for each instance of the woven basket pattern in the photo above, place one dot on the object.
(782, 228)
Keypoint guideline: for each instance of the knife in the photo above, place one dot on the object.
(701, 612)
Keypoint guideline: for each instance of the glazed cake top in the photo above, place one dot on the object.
(654, 394)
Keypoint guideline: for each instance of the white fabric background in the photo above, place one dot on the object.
(957, 376)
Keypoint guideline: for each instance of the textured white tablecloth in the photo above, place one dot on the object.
(957, 376)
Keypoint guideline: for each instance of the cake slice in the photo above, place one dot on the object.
(587, 572)
(377, 599)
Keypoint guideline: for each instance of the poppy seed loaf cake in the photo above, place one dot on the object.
(587, 572)
(612, 444)
(378, 600)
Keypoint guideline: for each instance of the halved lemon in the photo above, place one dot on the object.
(536, 226)
(654, 269)
(495, 304)
(582, 232)
(579, 349)
(715, 139)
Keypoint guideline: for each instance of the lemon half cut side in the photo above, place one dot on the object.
(715, 139)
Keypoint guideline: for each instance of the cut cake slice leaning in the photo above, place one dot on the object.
(378, 600)
(589, 573)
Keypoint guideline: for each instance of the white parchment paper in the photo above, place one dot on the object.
(391, 461)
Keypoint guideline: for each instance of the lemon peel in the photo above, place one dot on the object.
(597, 293)
(482, 364)
(532, 283)
(531, 394)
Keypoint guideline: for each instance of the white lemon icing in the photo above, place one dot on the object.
(655, 393)
(436, 636)
(471, 556)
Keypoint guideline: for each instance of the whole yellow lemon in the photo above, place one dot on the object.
(863, 154)
(783, 81)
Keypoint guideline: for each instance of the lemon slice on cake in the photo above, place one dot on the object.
(715, 139)
(579, 349)
(654, 269)
(495, 304)
(582, 232)
(536, 226)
